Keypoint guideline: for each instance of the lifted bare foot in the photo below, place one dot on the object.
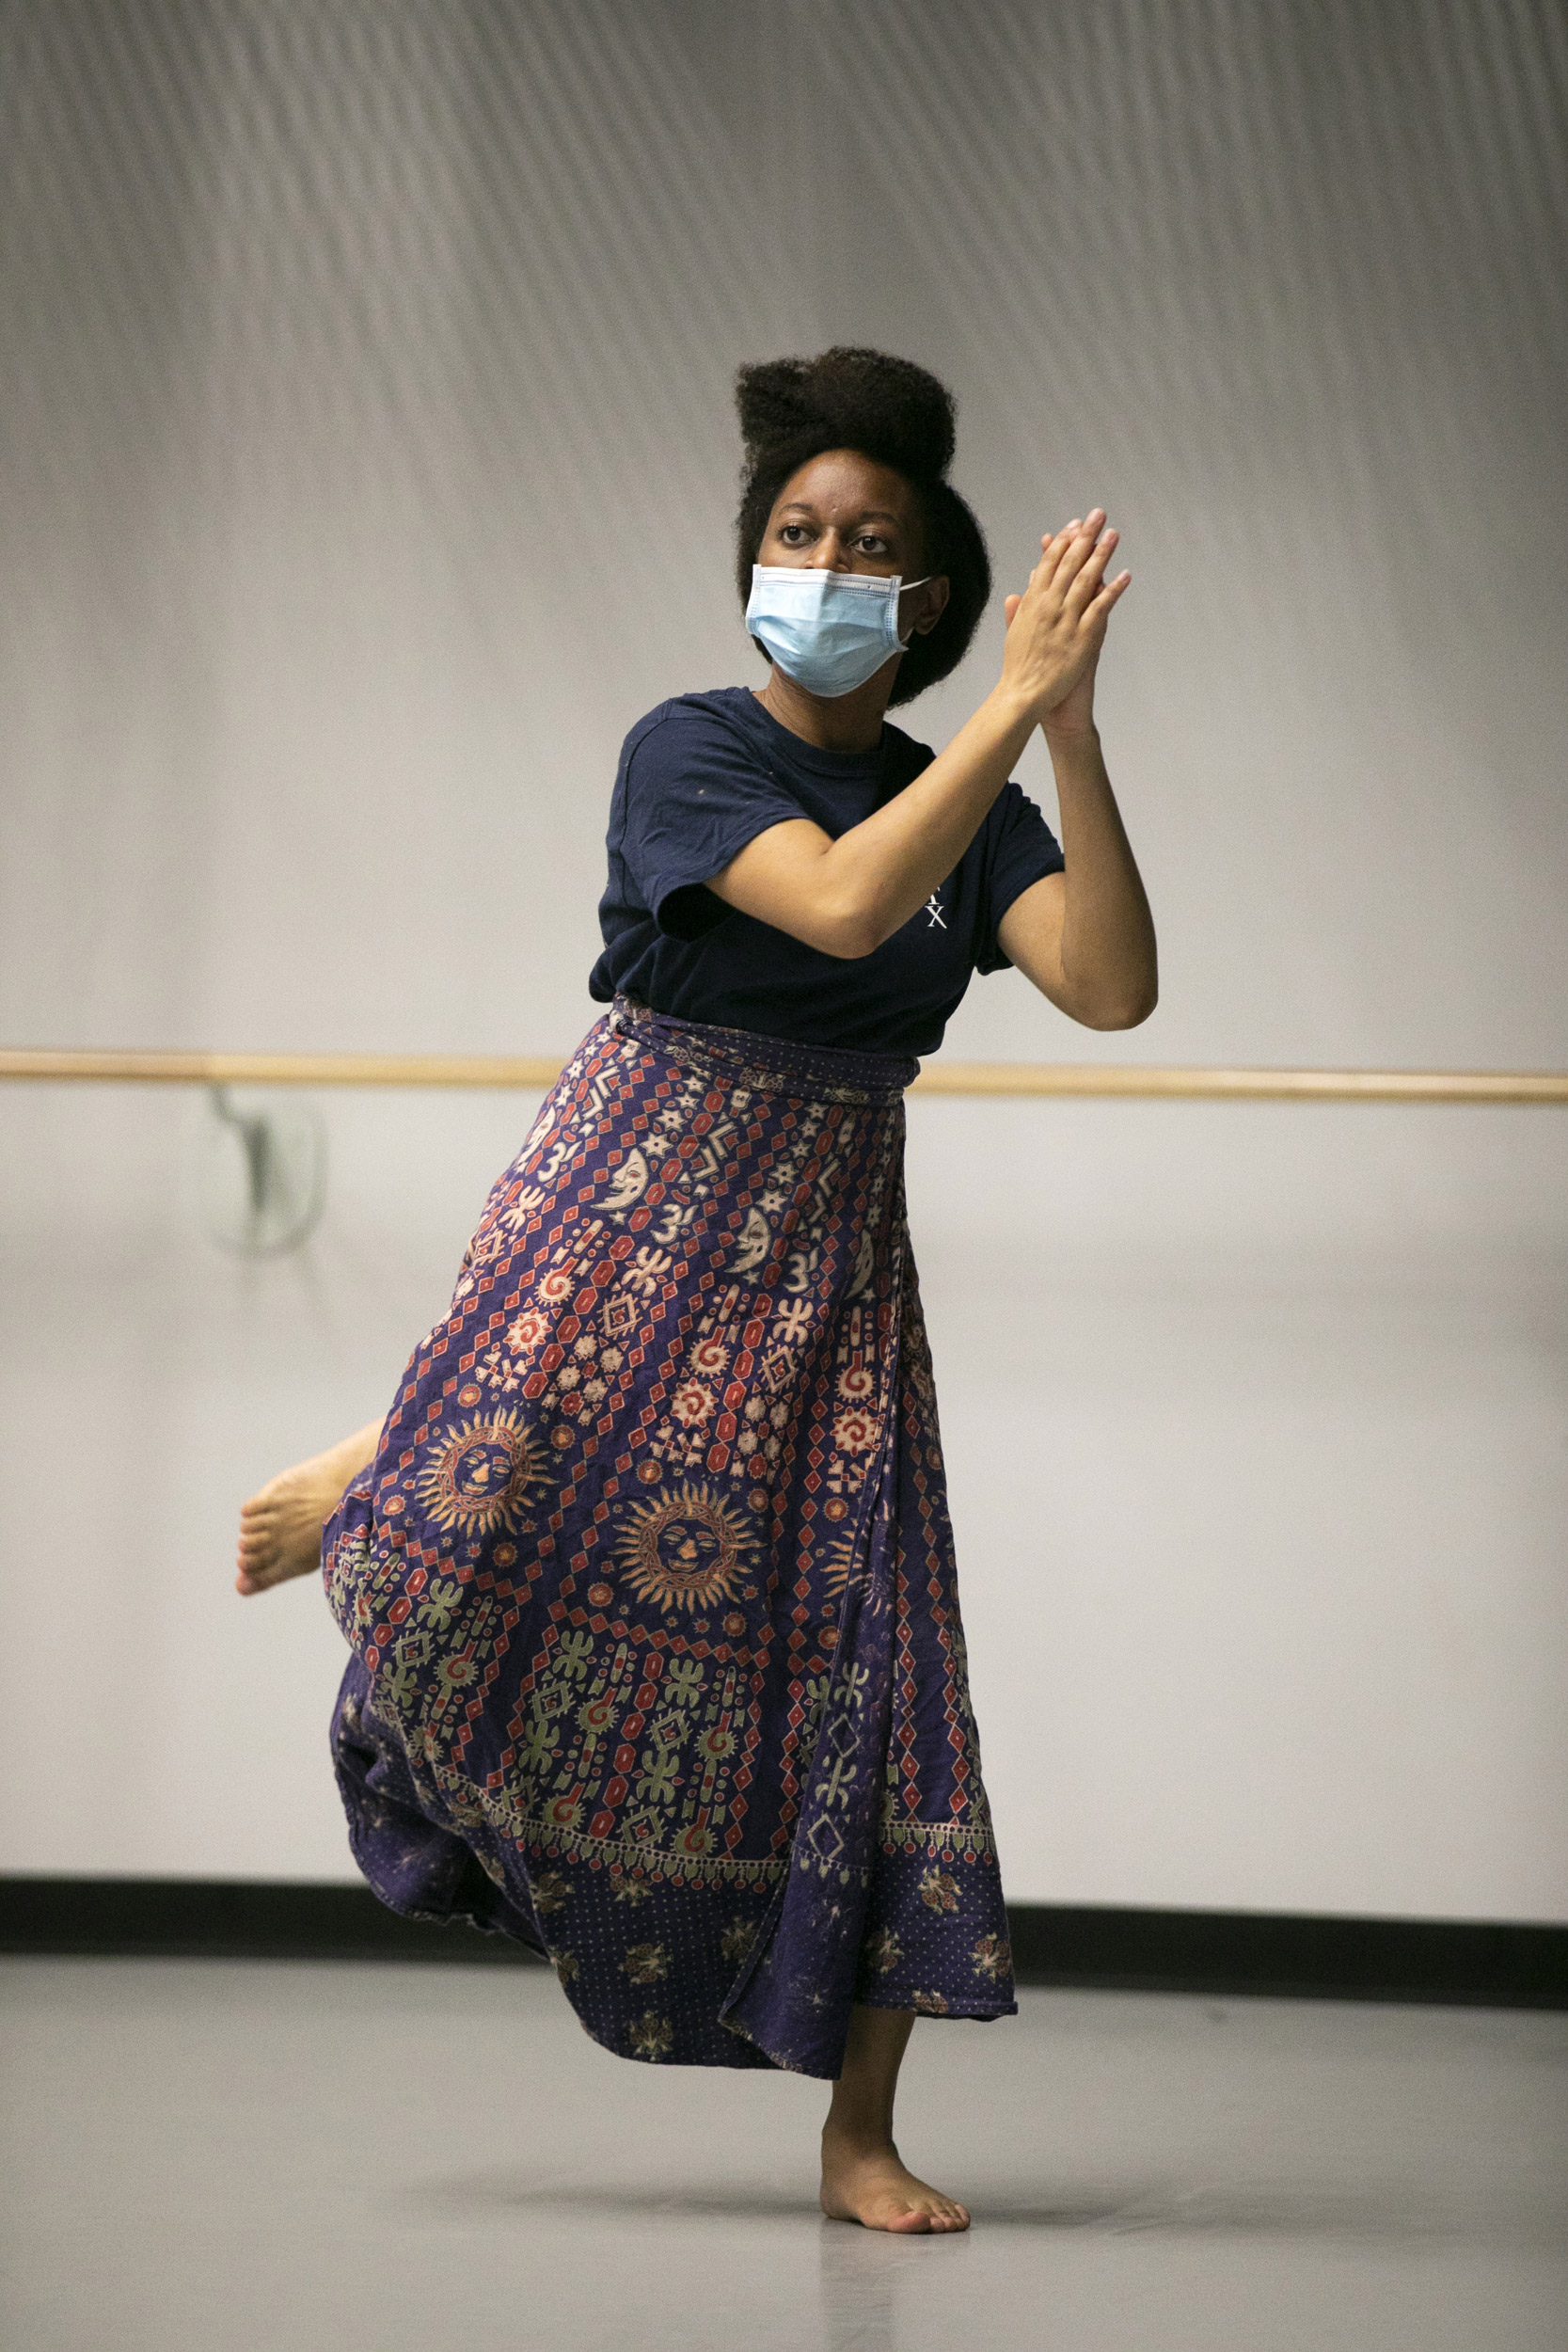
(280, 1528)
(870, 2186)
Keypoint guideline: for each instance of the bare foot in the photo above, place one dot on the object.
(871, 2186)
(280, 1528)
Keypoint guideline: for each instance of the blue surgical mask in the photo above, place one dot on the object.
(830, 631)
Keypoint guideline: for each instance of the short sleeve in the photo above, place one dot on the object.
(1021, 850)
(695, 793)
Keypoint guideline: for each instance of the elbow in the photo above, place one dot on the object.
(861, 938)
(847, 933)
(1127, 1010)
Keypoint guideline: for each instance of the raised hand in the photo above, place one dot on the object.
(1056, 627)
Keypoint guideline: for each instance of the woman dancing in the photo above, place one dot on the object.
(647, 1577)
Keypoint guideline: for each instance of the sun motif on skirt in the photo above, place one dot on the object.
(844, 1567)
(480, 1473)
(685, 1549)
(838, 1567)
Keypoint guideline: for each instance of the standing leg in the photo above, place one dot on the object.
(280, 1528)
(862, 2179)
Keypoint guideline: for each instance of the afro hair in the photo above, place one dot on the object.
(898, 414)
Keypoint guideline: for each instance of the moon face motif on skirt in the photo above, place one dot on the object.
(657, 1658)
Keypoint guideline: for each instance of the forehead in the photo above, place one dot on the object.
(842, 487)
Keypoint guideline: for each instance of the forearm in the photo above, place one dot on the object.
(1109, 966)
(881, 871)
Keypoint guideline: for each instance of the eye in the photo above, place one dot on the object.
(870, 544)
(794, 535)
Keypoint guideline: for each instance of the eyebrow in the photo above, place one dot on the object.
(866, 515)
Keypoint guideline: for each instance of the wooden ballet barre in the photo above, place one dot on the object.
(537, 1071)
(289, 1069)
(1150, 1083)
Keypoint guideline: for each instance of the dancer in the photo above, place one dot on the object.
(657, 1662)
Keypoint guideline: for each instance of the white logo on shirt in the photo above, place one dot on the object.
(933, 909)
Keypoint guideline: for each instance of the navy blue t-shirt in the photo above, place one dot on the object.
(703, 774)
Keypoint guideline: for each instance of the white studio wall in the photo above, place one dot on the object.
(368, 465)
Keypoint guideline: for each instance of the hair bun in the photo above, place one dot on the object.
(848, 398)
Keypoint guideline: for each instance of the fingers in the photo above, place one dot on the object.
(1089, 571)
(1109, 594)
(1064, 554)
(1071, 569)
(1084, 559)
(1055, 549)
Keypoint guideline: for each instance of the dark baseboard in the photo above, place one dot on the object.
(1469, 1963)
(230, 1919)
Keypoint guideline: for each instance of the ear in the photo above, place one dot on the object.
(937, 593)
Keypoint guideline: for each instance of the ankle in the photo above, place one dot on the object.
(858, 2136)
(347, 1458)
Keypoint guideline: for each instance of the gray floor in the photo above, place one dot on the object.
(221, 2155)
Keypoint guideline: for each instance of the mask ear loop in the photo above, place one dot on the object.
(904, 585)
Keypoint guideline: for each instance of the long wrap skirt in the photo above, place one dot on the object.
(658, 1665)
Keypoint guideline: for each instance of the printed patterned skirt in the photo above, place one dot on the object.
(657, 1662)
